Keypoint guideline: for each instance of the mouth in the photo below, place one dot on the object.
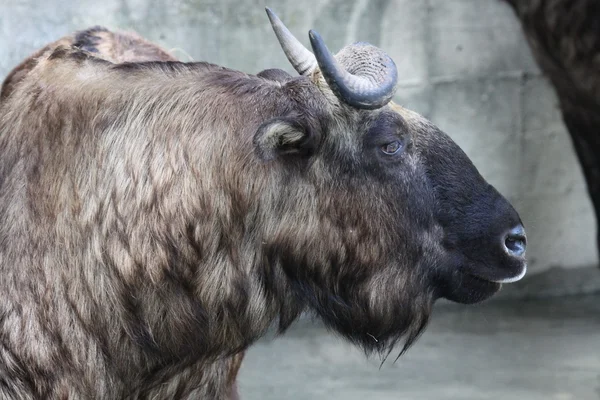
(468, 282)
(510, 279)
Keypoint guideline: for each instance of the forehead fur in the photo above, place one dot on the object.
(411, 117)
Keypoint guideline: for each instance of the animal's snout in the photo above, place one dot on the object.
(515, 241)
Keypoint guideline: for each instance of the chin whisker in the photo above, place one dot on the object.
(386, 357)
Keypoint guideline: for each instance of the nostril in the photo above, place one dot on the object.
(515, 241)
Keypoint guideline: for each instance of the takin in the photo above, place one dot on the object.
(157, 217)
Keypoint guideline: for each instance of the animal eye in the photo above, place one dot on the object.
(392, 148)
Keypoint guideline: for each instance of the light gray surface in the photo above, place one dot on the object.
(462, 63)
(536, 350)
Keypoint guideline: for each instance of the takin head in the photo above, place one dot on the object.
(403, 216)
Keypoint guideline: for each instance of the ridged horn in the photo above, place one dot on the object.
(360, 75)
(299, 56)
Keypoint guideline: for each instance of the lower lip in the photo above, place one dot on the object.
(505, 280)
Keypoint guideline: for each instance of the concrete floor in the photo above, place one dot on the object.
(522, 350)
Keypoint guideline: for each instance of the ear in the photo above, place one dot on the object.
(282, 136)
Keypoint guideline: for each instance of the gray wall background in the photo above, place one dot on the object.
(462, 63)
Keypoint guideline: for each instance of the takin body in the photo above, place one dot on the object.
(156, 218)
(121, 47)
(564, 36)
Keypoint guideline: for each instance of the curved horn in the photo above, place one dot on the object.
(301, 59)
(361, 75)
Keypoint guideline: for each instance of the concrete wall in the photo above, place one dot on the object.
(462, 63)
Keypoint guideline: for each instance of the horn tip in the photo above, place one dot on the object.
(315, 39)
(317, 43)
(270, 14)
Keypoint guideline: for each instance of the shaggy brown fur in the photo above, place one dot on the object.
(116, 47)
(157, 218)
